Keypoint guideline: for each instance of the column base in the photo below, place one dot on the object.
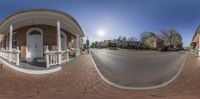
(198, 53)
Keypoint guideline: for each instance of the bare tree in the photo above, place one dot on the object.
(171, 37)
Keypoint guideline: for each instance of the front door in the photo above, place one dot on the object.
(35, 45)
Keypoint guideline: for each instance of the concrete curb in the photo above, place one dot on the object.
(138, 88)
(27, 71)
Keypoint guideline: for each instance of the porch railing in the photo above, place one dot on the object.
(197, 51)
(64, 56)
(78, 52)
(52, 57)
(11, 56)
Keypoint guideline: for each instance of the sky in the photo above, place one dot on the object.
(108, 19)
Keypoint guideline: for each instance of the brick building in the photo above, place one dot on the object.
(195, 47)
(43, 34)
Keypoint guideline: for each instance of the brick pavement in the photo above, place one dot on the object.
(79, 80)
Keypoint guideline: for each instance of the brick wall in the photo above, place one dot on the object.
(49, 37)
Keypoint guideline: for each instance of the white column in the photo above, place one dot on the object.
(47, 57)
(77, 46)
(58, 42)
(17, 56)
(198, 49)
(77, 41)
(10, 42)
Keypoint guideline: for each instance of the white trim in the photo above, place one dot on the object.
(10, 41)
(27, 34)
(58, 41)
(138, 88)
(40, 14)
(28, 71)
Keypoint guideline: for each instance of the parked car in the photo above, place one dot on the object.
(164, 49)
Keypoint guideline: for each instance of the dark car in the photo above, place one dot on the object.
(164, 49)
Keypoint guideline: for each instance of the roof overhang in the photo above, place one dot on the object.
(197, 32)
(40, 17)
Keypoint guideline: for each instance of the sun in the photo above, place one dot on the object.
(101, 33)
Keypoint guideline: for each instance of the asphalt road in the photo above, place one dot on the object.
(138, 68)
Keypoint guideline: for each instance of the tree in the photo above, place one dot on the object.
(94, 44)
(132, 39)
(172, 38)
(150, 43)
(176, 41)
(148, 39)
(122, 42)
(145, 35)
(131, 42)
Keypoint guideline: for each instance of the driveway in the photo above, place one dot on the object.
(138, 68)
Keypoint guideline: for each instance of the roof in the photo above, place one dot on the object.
(196, 32)
(49, 10)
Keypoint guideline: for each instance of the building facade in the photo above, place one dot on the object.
(40, 34)
(195, 47)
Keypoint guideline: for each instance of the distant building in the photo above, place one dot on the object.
(158, 43)
(194, 46)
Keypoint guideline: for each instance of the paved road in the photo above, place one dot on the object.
(138, 68)
(80, 80)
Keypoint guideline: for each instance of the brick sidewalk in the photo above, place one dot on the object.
(79, 80)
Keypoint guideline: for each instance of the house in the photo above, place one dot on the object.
(40, 35)
(159, 42)
(195, 47)
(153, 42)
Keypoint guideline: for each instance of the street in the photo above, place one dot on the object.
(138, 68)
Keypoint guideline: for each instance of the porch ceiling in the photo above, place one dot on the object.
(42, 21)
(41, 17)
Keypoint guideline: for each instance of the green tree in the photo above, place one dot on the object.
(148, 39)
(145, 35)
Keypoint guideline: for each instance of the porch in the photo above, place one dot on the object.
(36, 51)
(39, 39)
(36, 66)
(50, 61)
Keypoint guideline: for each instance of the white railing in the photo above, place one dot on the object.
(65, 56)
(52, 57)
(11, 56)
(4, 54)
(197, 53)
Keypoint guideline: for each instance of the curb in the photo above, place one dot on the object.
(139, 88)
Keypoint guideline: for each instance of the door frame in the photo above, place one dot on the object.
(27, 38)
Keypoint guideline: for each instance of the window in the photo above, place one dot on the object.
(14, 41)
(35, 33)
(73, 42)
